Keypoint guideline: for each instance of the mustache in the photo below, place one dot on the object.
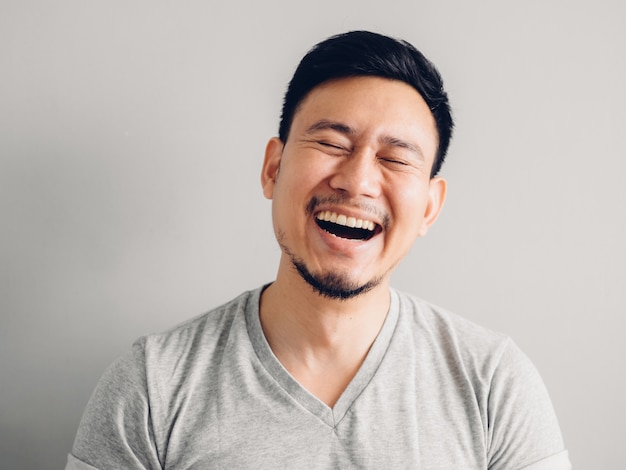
(338, 199)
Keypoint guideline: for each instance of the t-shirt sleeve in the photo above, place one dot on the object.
(116, 429)
(523, 429)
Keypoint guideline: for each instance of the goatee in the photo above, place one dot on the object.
(333, 285)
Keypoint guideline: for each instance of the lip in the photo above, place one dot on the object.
(345, 246)
(343, 220)
(351, 212)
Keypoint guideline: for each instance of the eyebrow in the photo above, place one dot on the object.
(395, 142)
(342, 128)
(324, 124)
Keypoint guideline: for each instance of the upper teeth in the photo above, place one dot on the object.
(342, 219)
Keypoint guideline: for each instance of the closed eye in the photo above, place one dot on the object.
(394, 161)
(332, 148)
(328, 144)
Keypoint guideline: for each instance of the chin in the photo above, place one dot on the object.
(334, 285)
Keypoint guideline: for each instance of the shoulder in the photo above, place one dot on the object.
(204, 332)
(485, 355)
(157, 364)
(439, 328)
(202, 335)
(194, 348)
(139, 389)
(505, 385)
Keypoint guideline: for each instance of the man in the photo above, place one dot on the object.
(328, 367)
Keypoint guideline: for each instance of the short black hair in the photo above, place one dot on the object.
(363, 53)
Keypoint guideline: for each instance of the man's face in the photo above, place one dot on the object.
(351, 188)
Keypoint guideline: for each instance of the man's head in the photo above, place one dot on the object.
(363, 53)
(351, 177)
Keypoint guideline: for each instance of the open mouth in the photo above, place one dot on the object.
(346, 227)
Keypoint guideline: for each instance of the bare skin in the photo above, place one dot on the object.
(363, 148)
(321, 345)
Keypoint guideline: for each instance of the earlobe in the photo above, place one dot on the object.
(436, 198)
(271, 164)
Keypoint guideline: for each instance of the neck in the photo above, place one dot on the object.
(321, 342)
(291, 308)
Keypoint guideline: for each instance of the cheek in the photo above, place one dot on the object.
(304, 173)
(410, 204)
(292, 193)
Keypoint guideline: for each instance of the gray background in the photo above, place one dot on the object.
(131, 140)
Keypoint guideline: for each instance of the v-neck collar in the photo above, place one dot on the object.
(330, 416)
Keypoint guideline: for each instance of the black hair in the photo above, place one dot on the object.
(363, 53)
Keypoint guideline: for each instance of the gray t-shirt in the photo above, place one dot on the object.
(434, 392)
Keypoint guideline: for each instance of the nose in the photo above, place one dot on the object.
(357, 174)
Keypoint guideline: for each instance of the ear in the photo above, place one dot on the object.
(271, 165)
(436, 198)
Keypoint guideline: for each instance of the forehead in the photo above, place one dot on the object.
(370, 106)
